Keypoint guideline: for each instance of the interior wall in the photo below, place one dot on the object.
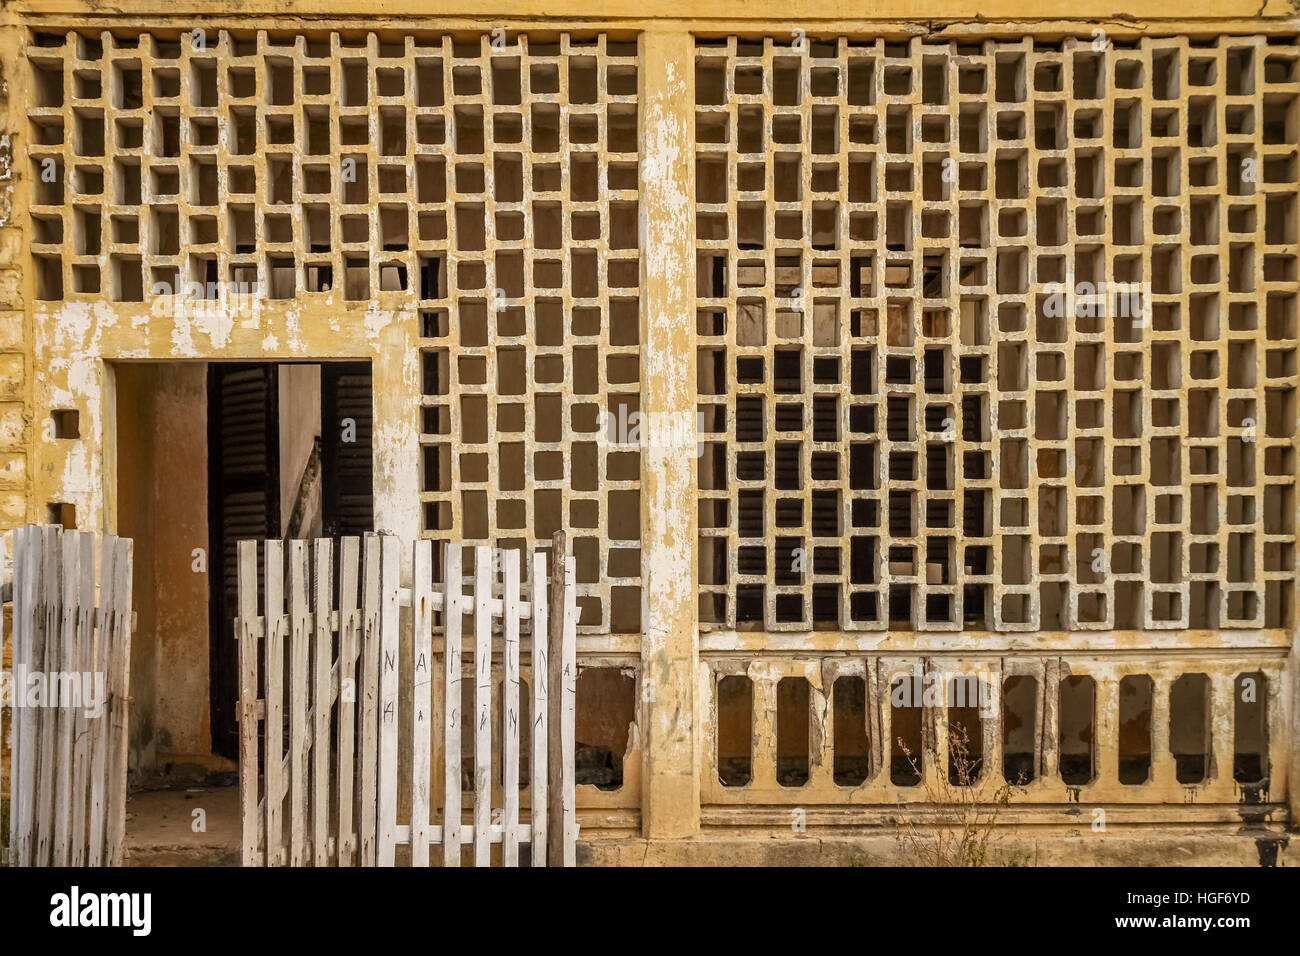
(136, 404)
(162, 505)
(181, 584)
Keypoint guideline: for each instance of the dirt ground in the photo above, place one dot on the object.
(163, 829)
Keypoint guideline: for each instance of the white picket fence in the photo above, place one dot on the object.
(67, 786)
(334, 650)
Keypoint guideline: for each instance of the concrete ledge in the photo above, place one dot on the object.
(813, 10)
(160, 832)
(1139, 846)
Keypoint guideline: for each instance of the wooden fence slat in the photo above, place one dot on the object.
(99, 732)
(13, 659)
(422, 700)
(38, 662)
(47, 661)
(510, 710)
(555, 703)
(118, 681)
(349, 624)
(7, 860)
(482, 705)
(17, 753)
(86, 666)
(388, 630)
(323, 661)
(452, 620)
(34, 656)
(58, 686)
(369, 701)
(299, 648)
(23, 798)
(273, 720)
(569, 692)
(537, 762)
(12, 546)
(246, 589)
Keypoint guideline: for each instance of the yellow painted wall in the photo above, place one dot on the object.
(57, 355)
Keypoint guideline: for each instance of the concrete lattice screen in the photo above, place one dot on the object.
(544, 275)
(904, 428)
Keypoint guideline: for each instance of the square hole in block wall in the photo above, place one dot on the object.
(61, 513)
(65, 423)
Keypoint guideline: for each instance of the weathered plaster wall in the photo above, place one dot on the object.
(68, 343)
(15, 420)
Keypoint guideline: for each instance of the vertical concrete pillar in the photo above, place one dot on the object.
(935, 751)
(396, 384)
(1049, 744)
(884, 713)
(1220, 718)
(991, 714)
(396, 444)
(1163, 771)
(670, 790)
(1106, 723)
(821, 728)
(764, 724)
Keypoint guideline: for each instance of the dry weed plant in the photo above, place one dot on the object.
(963, 828)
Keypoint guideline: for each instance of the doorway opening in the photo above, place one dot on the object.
(204, 455)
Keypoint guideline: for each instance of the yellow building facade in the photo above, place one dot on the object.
(916, 387)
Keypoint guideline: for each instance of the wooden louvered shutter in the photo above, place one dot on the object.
(244, 503)
(346, 466)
